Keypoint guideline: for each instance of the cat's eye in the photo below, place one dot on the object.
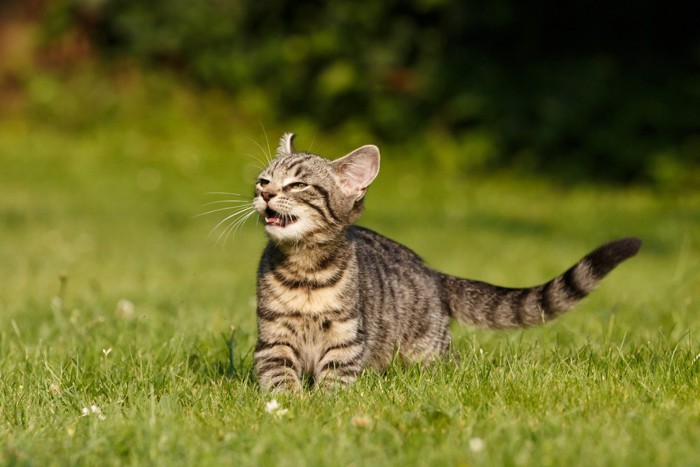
(263, 181)
(297, 186)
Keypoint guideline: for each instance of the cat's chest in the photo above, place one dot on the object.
(305, 295)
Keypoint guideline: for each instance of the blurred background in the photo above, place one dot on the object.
(602, 93)
(534, 130)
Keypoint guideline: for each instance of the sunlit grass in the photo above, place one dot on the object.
(112, 296)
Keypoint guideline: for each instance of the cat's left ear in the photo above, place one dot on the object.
(286, 147)
(357, 170)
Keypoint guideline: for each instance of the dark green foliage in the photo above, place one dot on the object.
(602, 94)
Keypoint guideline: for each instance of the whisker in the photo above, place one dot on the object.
(237, 226)
(261, 165)
(232, 227)
(267, 141)
(221, 235)
(233, 201)
(237, 213)
(268, 159)
(218, 239)
(313, 139)
(228, 208)
(224, 193)
(237, 208)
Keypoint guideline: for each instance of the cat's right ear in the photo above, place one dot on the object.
(355, 171)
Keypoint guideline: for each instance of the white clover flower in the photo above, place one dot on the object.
(93, 409)
(476, 444)
(274, 408)
(125, 309)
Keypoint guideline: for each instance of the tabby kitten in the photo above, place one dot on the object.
(334, 299)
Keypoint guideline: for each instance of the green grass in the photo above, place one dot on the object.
(96, 212)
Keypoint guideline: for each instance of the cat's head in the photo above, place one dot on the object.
(303, 197)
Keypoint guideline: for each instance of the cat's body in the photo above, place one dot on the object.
(334, 299)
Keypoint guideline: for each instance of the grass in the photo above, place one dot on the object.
(111, 295)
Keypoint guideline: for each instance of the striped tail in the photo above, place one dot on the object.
(489, 306)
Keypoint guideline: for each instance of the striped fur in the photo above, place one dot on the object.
(334, 299)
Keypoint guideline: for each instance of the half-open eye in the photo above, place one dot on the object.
(297, 186)
(263, 181)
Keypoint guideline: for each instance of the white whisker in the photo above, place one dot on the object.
(237, 213)
(232, 201)
(261, 165)
(239, 223)
(228, 208)
(267, 158)
(233, 226)
(224, 193)
(267, 141)
(312, 140)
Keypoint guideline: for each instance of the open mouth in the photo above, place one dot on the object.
(275, 218)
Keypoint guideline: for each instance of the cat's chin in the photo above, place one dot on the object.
(289, 232)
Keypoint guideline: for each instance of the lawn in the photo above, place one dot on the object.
(117, 303)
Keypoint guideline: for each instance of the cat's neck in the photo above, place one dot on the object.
(307, 256)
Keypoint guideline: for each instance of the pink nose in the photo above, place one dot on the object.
(267, 196)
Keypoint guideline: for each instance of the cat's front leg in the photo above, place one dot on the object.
(335, 378)
(342, 356)
(338, 368)
(277, 366)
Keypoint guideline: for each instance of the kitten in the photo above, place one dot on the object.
(334, 299)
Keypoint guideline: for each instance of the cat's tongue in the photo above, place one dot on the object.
(274, 221)
(274, 218)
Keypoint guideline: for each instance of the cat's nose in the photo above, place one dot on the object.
(268, 195)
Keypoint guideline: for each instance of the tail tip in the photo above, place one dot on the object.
(627, 247)
(608, 256)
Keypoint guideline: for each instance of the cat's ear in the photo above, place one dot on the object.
(286, 148)
(357, 170)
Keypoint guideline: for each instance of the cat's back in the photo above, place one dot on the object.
(378, 249)
(386, 264)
